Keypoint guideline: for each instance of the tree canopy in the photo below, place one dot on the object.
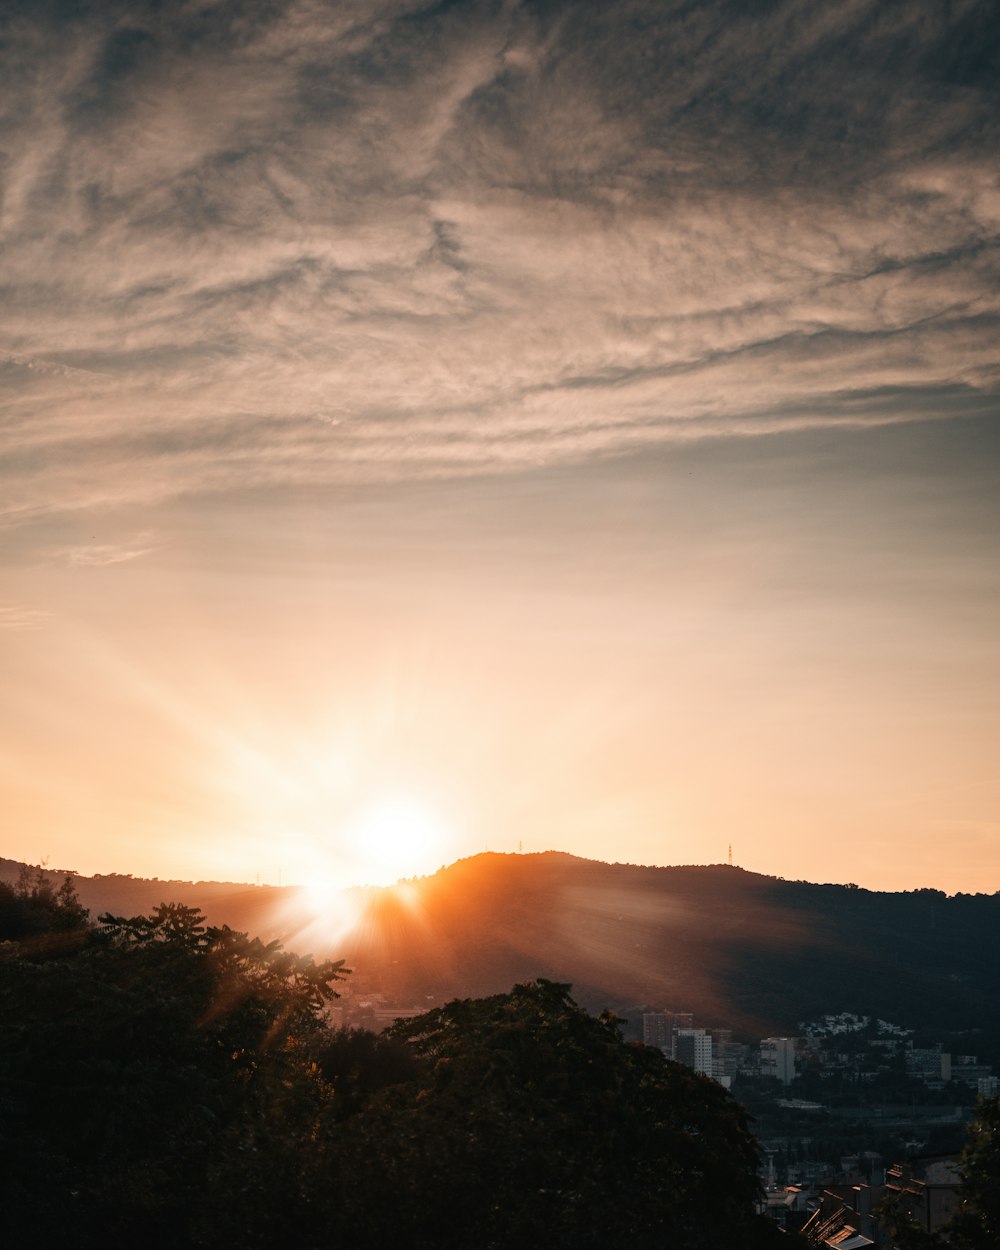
(163, 1082)
(38, 914)
(156, 1083)
(529, 1118)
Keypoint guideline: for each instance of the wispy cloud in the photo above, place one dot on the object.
(21, 616)
(98, 555)
(293, 243)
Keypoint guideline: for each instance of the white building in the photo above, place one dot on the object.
(694, 1047)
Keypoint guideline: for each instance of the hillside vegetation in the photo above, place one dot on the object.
(166, 1083)
(734, 947)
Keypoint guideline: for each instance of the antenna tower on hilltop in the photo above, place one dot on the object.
(730, 854)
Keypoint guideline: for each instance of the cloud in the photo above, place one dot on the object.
(21, 617)
(98, 555)
(288, 243)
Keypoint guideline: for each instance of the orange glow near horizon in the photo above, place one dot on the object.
(389, 754)
(321, 917)
(318, 917)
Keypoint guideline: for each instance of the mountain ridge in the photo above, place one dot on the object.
(736, 948)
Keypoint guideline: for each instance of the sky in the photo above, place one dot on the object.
(427, 428)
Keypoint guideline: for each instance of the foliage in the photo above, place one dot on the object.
(761, 953)
(38, 914)
(529, 1118)
(977, 1225)
(359, 1064)
(156, 1085)
(164, 1082)
(902, 1229)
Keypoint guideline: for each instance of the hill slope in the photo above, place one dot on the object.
(734, 947)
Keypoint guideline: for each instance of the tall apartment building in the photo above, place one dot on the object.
(694, 1047)
(656, 1030)
(727, 1058)
(777, 1058)
(659, 1028)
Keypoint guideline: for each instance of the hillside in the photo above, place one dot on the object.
(237, 904)
(734, 947)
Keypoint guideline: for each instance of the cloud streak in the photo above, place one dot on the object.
(21, 617)
(290, 243)
(99, 555)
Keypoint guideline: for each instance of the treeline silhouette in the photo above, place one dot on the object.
(164, 1082)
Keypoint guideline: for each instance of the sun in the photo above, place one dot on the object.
(388, 839)
(396, 836)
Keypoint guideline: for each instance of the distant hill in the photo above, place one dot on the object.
(241, 906)
(734, 947)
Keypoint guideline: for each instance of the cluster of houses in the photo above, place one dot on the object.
(854, 1217)
(714, 1052)
(857, 1205)
(821, 1046)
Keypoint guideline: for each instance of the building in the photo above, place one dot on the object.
(728, 1058)
(927, 1189)
(927, 1064)
(660, 1028)
(969, 1072)
(656, 1030)
(777, 1058)
(848, 1217)
(844, 1220)
(694, 1047)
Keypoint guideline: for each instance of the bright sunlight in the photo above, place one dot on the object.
(396, 836)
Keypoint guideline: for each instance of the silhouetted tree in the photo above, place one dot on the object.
(530, 1119)
(358, 1064)
(39, 914)
(977, 1225)
(157, 1087)
(166, 1083)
